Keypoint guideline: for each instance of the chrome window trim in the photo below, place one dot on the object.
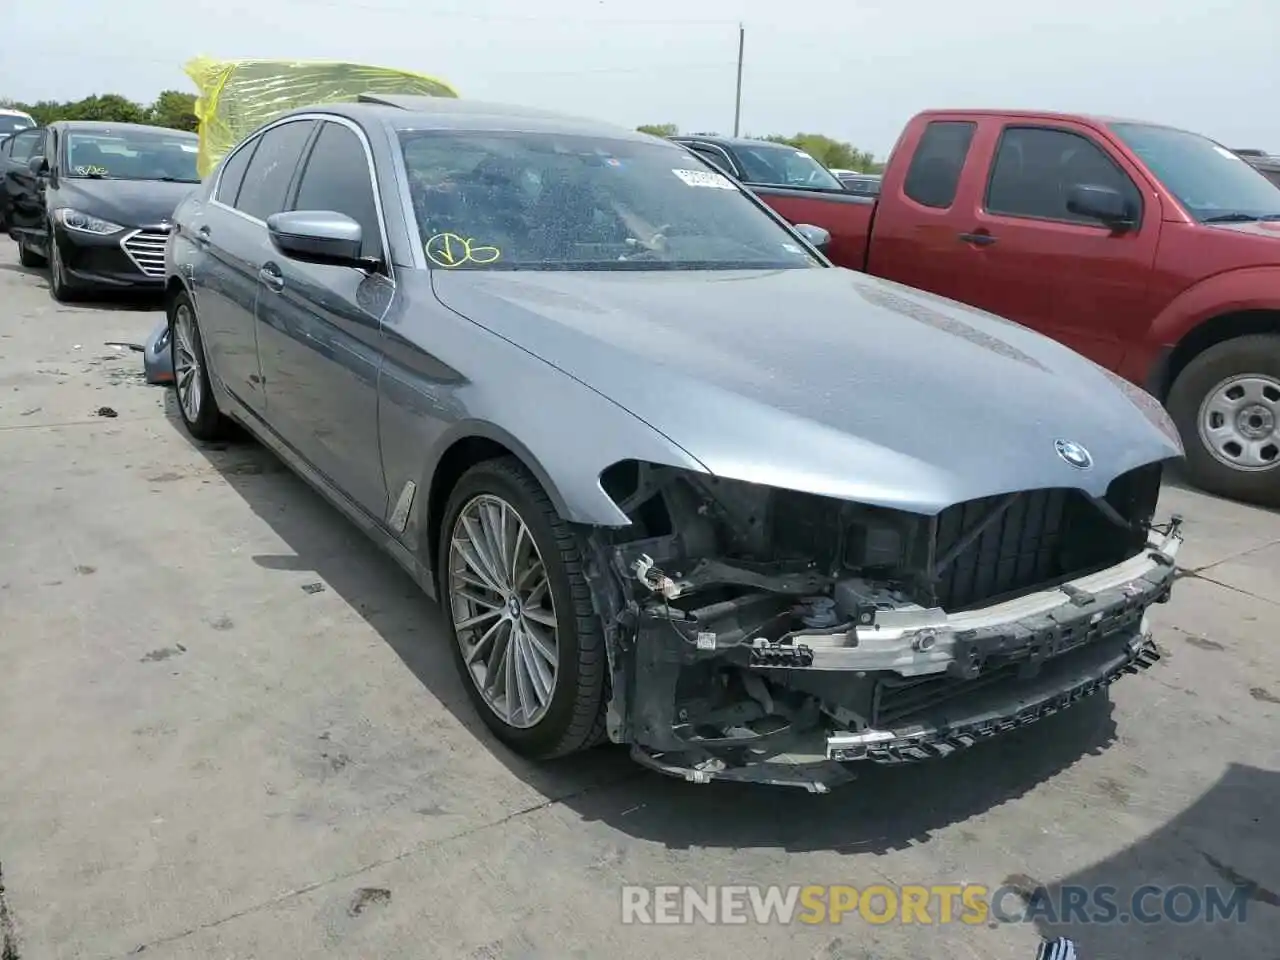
(370, 167)
(695, 144)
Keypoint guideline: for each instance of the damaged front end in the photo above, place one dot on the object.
(771, 636)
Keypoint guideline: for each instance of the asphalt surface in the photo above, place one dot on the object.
(230, 728)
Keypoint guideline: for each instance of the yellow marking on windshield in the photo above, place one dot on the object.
(452, 250)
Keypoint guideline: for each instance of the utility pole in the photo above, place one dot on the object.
(737, 100)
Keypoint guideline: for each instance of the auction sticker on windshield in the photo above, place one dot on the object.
(704, 178)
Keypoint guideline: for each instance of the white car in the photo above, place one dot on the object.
(11, 121)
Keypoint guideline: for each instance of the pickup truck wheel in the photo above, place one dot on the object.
(527, 640)
(1226, 404)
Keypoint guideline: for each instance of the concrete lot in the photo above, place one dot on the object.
(229, 728)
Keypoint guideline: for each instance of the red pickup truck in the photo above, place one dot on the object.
(1153, 251)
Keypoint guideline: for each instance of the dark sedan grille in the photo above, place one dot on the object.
(1001, 546)
(146, 249)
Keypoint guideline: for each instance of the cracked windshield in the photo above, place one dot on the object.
(492, 481)
(577, 203)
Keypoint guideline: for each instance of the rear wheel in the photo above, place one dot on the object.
(1226, 403)
(527, 641)
(196, 403)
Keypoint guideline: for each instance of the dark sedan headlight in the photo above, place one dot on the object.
(84, 223)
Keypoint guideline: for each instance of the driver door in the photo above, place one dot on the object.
(1080, 282)
(24, 189)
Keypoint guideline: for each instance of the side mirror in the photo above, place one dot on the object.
(317, 236)
(1101, 203)
(816, 236)
(38, 165)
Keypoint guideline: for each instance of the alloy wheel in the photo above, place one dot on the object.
(503, 612)
(188, 378)
(1240, 422)
(56, 278)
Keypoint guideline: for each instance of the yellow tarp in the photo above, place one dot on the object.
(238, 96)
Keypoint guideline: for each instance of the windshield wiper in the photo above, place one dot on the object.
(178, 179)
(1241, 217)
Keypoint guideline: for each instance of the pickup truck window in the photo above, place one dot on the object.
(1036, 167)
(935, 169)
(1212, 183)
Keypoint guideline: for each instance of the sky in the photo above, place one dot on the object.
(854, 70)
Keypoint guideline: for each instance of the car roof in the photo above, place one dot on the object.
(1096, 120)
(103, 126)
(730, 141)
(10, 112)
(404, 112)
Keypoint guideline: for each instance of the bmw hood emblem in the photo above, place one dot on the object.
(1074, 454)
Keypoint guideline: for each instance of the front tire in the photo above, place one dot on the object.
(197, 405)
(526, 638)
(1226, 404)
(59, 288)
(28, 257)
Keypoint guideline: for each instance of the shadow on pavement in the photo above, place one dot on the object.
(107, 300)
(885, 809)
(1225, 846)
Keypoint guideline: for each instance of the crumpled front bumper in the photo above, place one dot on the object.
(157, 361)
(976, 674)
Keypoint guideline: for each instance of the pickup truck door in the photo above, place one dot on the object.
(1067, 275)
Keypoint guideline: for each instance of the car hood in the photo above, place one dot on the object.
(1270, 229)
(826, 380)
(130, 203)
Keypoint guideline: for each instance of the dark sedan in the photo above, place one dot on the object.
(678, 481)
(864, 184)
(762, 162)
(94, 201)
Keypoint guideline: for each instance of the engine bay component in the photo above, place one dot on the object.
(768, 636)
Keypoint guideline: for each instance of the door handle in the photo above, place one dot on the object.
(978, 239)
(271, 276)
(202, 234)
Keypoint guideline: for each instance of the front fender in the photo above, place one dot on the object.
(566, 433)
(580, 504)
(1234, 291)
(1251, 288)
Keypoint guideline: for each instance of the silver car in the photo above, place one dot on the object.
(678, 482)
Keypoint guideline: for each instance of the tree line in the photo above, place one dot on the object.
(826, 150)
(176, 109)
(172, 108)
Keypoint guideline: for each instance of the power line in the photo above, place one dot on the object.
(598, 71)
(463, 14)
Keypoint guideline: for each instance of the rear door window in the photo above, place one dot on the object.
(271, 169)
(934, 173)
(715, 158)
(233, 172)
